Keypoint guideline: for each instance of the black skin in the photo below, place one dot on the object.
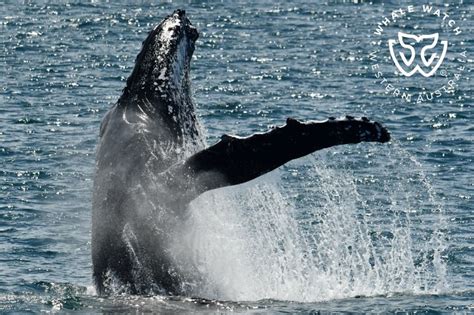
(234, 160)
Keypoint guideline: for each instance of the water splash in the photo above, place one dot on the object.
(329, 233)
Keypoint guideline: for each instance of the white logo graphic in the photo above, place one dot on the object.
(425, 53)
(409, 62)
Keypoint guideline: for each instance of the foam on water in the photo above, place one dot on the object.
(354, 237)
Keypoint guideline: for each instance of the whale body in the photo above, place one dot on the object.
(151, 162)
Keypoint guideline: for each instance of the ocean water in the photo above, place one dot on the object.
(357, 228)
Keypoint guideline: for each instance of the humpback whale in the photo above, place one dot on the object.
(151, 161)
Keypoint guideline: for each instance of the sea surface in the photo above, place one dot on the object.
(358, 228)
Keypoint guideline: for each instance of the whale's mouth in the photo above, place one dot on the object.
(174, 30)
(163, 64)
(174, 44)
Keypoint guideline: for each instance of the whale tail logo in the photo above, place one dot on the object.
(428, 54)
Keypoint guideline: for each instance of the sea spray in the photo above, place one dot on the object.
(317, 230)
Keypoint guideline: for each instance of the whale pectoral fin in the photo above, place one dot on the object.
(235, 160)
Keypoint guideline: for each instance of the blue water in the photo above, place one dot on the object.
(362, 228)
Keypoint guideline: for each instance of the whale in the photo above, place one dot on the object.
(152, 161)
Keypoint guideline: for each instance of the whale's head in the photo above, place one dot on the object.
(162, 67)
(157, 98)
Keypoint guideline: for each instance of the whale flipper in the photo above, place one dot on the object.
(235, 160)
